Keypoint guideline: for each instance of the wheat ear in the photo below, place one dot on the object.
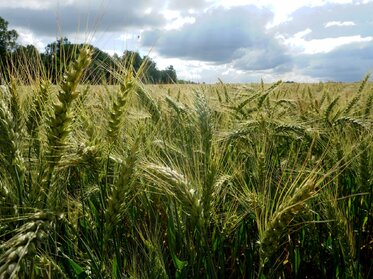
(60, 123)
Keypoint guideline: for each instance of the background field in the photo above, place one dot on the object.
(185, 181)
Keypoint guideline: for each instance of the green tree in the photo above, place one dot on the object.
(152, 74)
(26, 62)
(7, 38)
(171, 73)
(101, 68)
(8, 44)
(168, 75)
(57, 57)
(133, 59)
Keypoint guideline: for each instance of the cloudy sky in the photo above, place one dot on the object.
(235, 40)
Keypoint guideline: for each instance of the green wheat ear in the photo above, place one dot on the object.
(117, 109)
(120, 193)
(40, 98)
(11, 133)
(23, 244)
(60, 122)
(368, 105)
(59, 125)
(148, 102)
(37, 113)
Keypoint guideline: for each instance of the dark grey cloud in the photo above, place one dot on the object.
(347, 63)
(222, 36)
(315, 18)
(270, 56)
(83, 16)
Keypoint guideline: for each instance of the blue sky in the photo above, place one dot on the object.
(237, 41)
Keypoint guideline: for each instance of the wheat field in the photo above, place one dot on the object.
(185, 181)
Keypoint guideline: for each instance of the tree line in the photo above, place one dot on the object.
(28, 62)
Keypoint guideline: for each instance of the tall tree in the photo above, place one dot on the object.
(7, 38)
(8, 44)
(171, 74)
(152, 74)
(57, 57)
(132, 59)
(168, 75)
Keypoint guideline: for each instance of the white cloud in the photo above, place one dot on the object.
(284, 9)
(281, 9)
(339, 23)
(302, 34)
(170, 14)
(111, 52)
(198, 71)
(292, 76)
(360, 2)
(180, 22)
(302, 46)
(148, 11)
(127, 36)
(186, 69)
(26, 37)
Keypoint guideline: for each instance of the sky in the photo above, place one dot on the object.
(234, 40)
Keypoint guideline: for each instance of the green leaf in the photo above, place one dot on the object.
(179, 264)
(114, 268)
(78, 270)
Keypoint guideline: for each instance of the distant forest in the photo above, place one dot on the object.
(28, 62)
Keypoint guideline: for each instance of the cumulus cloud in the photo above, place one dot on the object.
(341, 20)
(179, 22)
(222, 36)
(330, 42)
(272, 56)
(301, 45)
(26, 37)
(47, 18)
(346, 63)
